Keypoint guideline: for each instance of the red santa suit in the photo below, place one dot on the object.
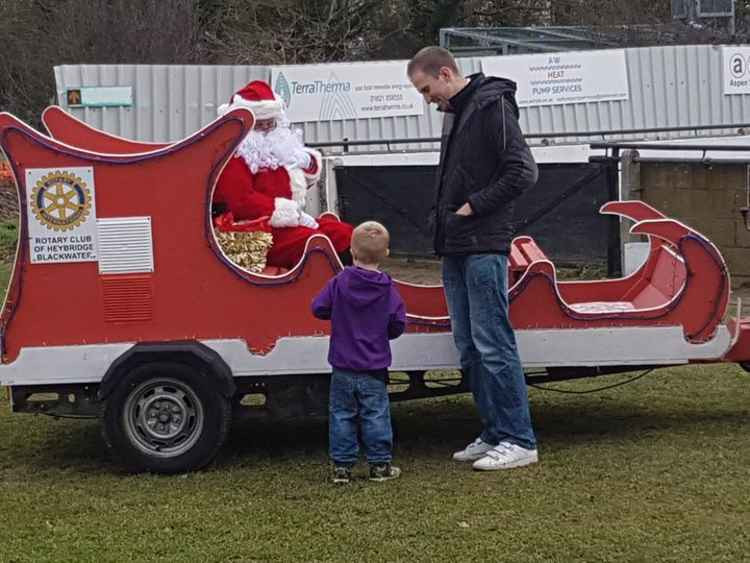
(269, 176)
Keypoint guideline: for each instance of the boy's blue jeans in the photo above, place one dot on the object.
(476, 289)
(359, 400)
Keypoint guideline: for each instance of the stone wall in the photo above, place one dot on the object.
(707, 197)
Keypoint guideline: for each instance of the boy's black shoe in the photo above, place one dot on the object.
(341, 474)
(383, 472)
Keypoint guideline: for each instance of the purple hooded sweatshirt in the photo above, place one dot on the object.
(366, 311)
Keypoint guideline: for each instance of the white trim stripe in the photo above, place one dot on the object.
(307, 355)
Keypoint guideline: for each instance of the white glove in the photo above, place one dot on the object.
(285, 214)
(306, 220)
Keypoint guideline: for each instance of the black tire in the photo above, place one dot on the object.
(166, 417)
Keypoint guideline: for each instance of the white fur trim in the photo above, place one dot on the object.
(264, 109)
(298, 185)
(316, 157)
(285, 213)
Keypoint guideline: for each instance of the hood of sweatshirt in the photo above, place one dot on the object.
(361, 287)
(485, 90)
(493, 88)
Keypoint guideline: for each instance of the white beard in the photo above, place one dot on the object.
(279, 147)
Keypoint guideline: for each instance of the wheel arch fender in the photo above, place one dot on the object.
(190, 352)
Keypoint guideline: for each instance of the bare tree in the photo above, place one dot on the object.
(39, 34)
(295, 31)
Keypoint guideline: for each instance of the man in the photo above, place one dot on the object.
(269, 176)
(485, 164)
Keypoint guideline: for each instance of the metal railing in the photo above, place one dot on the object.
(739, 128)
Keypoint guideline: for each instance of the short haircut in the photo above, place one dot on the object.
(430, 60)
(370, 242)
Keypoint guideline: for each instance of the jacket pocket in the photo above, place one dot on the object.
(461, 183)
(459, 228)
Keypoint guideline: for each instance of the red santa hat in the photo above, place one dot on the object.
(259, 98)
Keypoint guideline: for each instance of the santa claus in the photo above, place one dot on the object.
(269, 176)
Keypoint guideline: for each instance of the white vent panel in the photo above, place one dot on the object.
(125, 245)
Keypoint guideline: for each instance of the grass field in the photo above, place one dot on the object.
(652, 471)
(8, 238)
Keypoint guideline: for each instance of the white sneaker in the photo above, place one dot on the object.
(476, 450)
(506, 456)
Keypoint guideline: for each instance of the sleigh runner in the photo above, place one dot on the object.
(154, 328)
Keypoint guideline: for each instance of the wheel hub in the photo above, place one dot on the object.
(163, 417)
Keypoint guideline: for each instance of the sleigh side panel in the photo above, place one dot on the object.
(67, 129)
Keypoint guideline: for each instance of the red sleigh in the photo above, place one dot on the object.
(660, 293)
(88, 326)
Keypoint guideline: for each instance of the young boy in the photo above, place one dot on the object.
(366, 311)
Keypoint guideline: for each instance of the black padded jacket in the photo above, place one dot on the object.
(485, 161)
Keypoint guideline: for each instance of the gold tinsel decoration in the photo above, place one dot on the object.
(246, 249)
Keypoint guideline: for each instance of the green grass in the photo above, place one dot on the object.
(8, 238)
(5, 271)
(652, 471)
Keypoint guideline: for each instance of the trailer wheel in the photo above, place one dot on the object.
(166, 417)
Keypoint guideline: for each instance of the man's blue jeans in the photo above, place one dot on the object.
(476, 288)
(359, 400)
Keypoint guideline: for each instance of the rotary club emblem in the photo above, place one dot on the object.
(61, 201)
